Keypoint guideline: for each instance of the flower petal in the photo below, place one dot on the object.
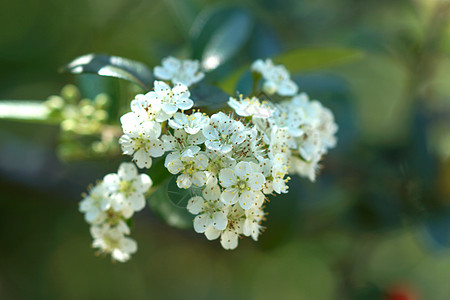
(142, 159)
(143, 183)
(195, 205)
(229, 197)
(227, 177)
(229, 240)
(211, 233)
(243, 169)
(184, 181)
(247, 199)
(127, 171)
(256, 181)
(201, 223)
(219, 220)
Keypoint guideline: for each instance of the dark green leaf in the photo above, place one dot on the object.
(112, 66)
(218, 34)
(169, 202)
(209, 96)
(227, 40)
(307, 59)
(301, 60)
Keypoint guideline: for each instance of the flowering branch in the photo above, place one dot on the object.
(231, 163)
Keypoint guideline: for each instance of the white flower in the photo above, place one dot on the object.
(224, 133)
(127, 188)
(191, 166)
(91, 204)
(171, 99)
(230, 236)
(277, 78)
(310, 144)
(317, 120)
(148, 108)
(186, 72)
(327, 129)
(183, 143)
(219, 161)
(112, 240)
(252, 224)
(290, 117)
(209, 209)
(251, 149)
(250, 107)
(241, 184)
(279, 183)
(192, 124)
(140, 139)
(305, 169)
(310, 110)
(280, 142)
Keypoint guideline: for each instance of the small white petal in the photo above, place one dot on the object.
(227, 177)
(201, 223)
(229, 197)
(229, 240)
(195, 205)
(219, 220)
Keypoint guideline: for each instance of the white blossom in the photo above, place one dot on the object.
(250, 107)
(252, 224)
(141, 139)
(279, 182)
(303, 168)
(172, 99)
(242, 184)
(229, 238)
(127, 188)
(148, 108)
(186, 72)
(192, 124)
(219, 161)
(277, 78)
(209, 209)
(280, 142)
(183, 143)
(223, 133)
(112, 240)
(234, 163)
(91, 204)
(191, 168)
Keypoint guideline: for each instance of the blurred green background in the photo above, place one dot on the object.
(375, 225)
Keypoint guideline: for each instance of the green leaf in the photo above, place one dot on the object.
(302, 60)
(308, 59)
(219, 34)
(169, 202)
(383, 108)
(25, 111)
(209, 96)
(112, 66)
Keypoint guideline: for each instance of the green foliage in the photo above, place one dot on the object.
(219, 32)
(208, 97)
(302, 60)
(112, 66)
(169, 203)
(311, 59)
(227, 39)
(357, 233)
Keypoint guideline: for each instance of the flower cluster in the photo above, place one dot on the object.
(185, 72)
(233, 161)
(110, 204)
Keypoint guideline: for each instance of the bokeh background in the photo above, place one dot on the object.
(375, 225)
